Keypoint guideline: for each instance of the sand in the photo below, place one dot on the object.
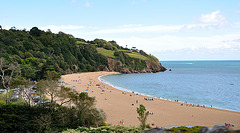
(121, 106)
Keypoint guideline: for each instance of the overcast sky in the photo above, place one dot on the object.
(168, 29)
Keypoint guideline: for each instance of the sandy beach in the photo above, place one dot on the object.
(121, 106)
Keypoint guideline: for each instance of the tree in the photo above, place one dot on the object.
(7, 74)
(20, 82)
(142, 115)
(50, 87)
(35, 31)
(87, 114)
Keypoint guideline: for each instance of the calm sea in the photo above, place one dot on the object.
(215, 83)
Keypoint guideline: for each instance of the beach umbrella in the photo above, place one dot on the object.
(102, 90)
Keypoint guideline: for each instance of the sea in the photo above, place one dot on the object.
(208, 83)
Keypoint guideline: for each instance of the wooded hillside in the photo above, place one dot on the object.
(38, 51)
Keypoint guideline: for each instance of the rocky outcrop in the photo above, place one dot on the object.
(155, 130)
(220, 128)
(151, 67)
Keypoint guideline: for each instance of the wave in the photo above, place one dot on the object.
(128, 90)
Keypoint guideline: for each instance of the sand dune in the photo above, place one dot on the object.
(121, 106)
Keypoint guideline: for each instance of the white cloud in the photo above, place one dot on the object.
(134, 2)
(61, 27)
(213, 17)
(174, 43)
(138, 28)
(53, 28)
(87, 4)
(73, 1)
(131, 25)
(237, 11)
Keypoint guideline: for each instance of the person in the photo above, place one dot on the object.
(136, 101)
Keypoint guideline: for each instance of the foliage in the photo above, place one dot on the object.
(142, 115)
(122, 129)
(8, 71)
(37, 51)
(184, 129)
(105, 129)
(24, 118)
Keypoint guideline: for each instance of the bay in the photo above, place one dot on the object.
(215, 83)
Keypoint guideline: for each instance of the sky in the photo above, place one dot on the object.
(168, 29)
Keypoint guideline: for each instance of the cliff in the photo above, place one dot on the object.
(151, 67)
(133, 62)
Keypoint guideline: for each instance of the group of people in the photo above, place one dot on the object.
(148, 99)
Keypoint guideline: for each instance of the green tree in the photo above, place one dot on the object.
(142, 115)
(50, 87)
(7, 73)
(35, 31)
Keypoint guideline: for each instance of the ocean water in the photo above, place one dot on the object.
(215, 83)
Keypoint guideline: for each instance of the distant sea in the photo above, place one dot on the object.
(215, 83)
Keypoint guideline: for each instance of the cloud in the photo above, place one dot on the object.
(62, 27)
(138, 28)
(73, 1)
(131, 25)
(213, 17)
(134, 2)
(87, 4)
(176, 43)
(237, 11)
(211, 26)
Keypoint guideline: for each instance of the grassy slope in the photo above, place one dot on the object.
(107, 53)
(137, 55)
(110, 54)
(20, 101)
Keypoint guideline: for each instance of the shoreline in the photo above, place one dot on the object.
(166, 112)
(162, 98)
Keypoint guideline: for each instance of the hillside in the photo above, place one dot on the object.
(38, 51)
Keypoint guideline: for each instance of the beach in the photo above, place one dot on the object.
(120, 106)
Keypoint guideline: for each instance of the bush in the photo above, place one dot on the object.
(105, 129)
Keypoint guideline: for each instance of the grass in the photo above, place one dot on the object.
(137, 55)
(107, 53)
(110, 54)
(3, 96)
(80, 43)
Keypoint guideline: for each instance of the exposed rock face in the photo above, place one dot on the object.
(220, 128)
(114, 64)
(151, 67)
